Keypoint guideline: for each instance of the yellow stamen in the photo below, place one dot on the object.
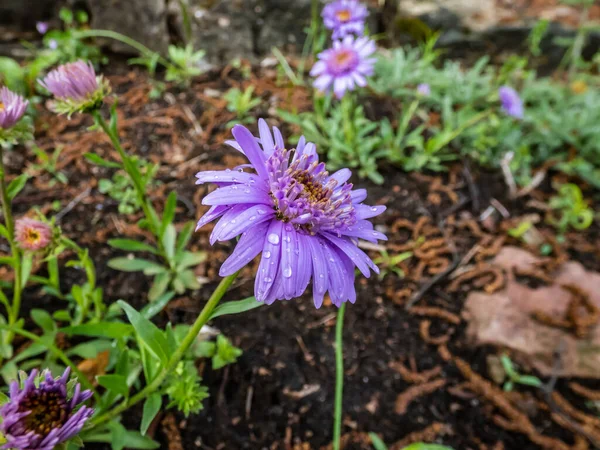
(343, 15)
(2, 107)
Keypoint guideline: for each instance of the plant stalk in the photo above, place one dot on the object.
(188, 340)
(339, 378)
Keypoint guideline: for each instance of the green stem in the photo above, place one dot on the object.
(339, 378)
(128, 166)
(188, 340)
(13, 314)
(60, 355)
(125, 40)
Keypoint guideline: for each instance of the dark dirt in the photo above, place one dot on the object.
(279, 395)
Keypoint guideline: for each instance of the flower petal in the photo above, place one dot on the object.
(250, 244)
(251, 149)
(231, 195)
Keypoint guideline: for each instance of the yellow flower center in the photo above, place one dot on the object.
(579, 87)
(343, 58)
(343, 15)
(33, 236)
(2, 107)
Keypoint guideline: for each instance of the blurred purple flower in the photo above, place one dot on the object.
(424, 89)
(12, 108)
(304, 222)
(345, 65)
(39, 418)
(72, 81)
(345, 17)
(42, 27)
(511, 102)
(52, 44)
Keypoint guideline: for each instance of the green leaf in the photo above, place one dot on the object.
(16, 186)
(26, 266)
(168, 240)
(236, 307)
(184, 236)
(114, 383)
(131, 246)
(189, 280)
(135, 265)
(148, 333)
(157, 306)
(189, 259)
(378, 444)
(151, 407)
(111, 330)
(43, 319)
(90, 349)
(99, 161)
(159, 286)
(129, 439)
(169, 211)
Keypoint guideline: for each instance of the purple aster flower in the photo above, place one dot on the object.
(424, 89)
(72, 81)
(345, 65)
(345, 17)
(41, 417)
(42, 27)
(12, 108)
(511, 102)
(75, 87)
(303, 221)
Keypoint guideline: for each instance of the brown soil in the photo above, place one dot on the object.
(410, 374)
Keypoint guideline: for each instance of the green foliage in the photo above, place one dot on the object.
(516, 378)
(569, 209)
(389, 264)
(121, 189)
(48, 163)
(344, 133)
(185, 390)
(186, 63)
(223, 352)
(241, 103)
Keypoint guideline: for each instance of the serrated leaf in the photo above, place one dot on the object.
(151, 407)
(131, 246)
(148, 333)
(114, 383)
(236, 307)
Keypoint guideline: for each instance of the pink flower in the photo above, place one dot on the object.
(32, 234)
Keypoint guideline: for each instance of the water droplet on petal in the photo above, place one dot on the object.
(267, 255)
(268, 279)
(261, 211)
(246, 191)
(287, 272)
(252, 218)
(374, 208)
(321, 275)
(273, 239)
(233, 221)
